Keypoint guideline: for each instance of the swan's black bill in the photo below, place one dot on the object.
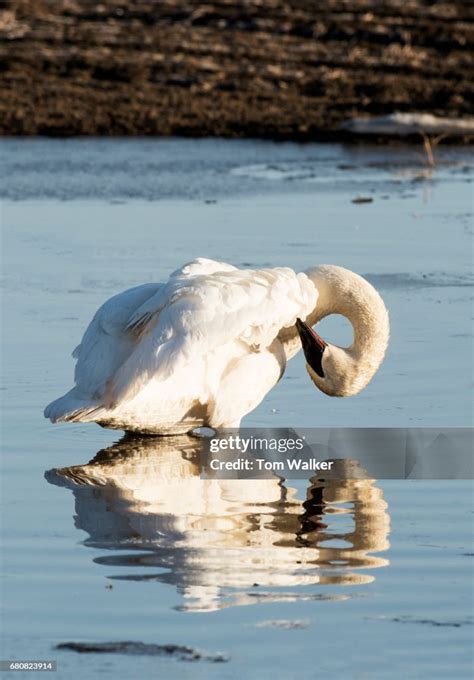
(313, 346)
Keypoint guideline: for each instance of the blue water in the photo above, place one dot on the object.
(367, 579)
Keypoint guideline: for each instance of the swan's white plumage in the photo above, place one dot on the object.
(201, 348)
(106, 344)
(196, 313)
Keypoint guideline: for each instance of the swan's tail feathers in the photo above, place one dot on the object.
(72, 409)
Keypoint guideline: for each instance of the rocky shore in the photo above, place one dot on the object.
(282, 69)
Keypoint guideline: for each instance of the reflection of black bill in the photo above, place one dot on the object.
(313, 346)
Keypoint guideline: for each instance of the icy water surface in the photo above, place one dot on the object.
(106, 541)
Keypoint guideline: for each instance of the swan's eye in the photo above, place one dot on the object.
(313, 346)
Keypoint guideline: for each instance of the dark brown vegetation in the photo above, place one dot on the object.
(286, 69)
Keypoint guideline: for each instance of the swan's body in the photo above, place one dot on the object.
(204, 348)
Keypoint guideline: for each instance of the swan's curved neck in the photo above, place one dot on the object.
(341, 291)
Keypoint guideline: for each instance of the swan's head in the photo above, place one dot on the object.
(331, 368)
(338, 371)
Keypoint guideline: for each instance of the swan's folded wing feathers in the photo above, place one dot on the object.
(155, 330)
(142, 315)
(106, 343)
(191, 316)
(190, 272)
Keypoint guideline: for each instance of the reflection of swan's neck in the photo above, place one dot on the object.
(371, 522)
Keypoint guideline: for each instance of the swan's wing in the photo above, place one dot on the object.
(201, 266)
(193, 314)
(107, 342)
(110, 337)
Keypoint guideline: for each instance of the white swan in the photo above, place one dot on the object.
(204, 348)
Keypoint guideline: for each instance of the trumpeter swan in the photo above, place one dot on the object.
(204, 348)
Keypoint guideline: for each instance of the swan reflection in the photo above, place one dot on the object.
(224, 542)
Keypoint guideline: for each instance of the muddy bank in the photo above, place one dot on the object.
(236, 68)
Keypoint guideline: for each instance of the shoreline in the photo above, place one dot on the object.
(343, 137)
(229, 69)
